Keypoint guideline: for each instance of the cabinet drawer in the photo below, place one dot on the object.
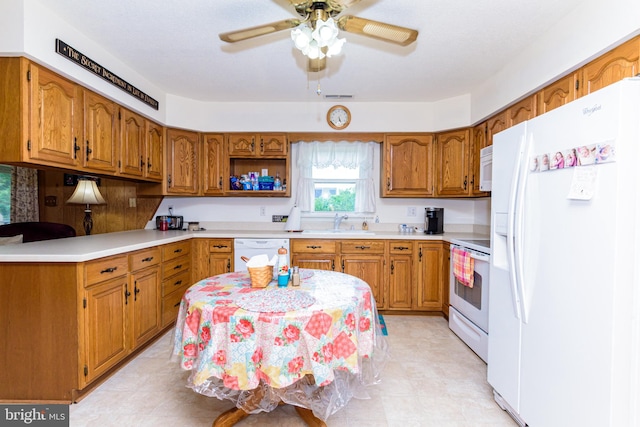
(176, 282)
(362, 247)
(400, 247)
(313, 246)
(225, 246)
(144, 258)
(171, 305)
(175, 250)
(105, 268)
(175, 266)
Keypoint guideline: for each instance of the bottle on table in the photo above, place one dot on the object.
(283, 267)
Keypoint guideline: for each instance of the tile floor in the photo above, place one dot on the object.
(432, 379)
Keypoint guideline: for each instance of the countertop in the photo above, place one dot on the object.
(86, 248)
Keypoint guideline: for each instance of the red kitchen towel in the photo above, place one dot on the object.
(463, 267)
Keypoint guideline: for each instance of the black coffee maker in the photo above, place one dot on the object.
(433, 220)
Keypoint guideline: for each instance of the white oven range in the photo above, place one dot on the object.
(469, 307)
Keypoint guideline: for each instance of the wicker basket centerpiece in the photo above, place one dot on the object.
(260, 276)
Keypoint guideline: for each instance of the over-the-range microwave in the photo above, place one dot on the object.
(486, 156)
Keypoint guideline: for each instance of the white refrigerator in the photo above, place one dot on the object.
(564, 328)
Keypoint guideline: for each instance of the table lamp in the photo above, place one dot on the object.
(87, 193)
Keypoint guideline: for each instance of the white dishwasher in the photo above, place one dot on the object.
(251, 247)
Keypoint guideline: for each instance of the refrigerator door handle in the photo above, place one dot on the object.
(511, 255)
(519, 213)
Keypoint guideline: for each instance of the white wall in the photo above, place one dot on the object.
(29, 28)
(458, 212)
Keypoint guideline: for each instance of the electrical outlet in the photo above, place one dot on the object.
(263, 210)
(132, 202)
(411, 211)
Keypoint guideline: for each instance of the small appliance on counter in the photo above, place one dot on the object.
(434, 221)
(169, 222)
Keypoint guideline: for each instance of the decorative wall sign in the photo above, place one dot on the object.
(90, 65)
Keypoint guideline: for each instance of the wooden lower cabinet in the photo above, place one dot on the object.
(105, 318)
(176, 278)
(404, 275)
(66, 325)
(428, 287)
(315, 254)
(400, 275)
(365, 259)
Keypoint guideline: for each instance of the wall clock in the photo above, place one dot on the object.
(338, 117)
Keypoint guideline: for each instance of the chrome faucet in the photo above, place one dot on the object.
(337, 220)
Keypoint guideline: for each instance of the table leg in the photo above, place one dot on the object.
(308, 417)
(230, 417)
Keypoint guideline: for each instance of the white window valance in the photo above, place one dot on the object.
(325, 154)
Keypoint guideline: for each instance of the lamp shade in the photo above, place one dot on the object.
(293, 222)
(86, 193)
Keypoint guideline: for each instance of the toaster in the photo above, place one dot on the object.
(173, 222)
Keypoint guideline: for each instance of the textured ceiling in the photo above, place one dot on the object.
(175, 45)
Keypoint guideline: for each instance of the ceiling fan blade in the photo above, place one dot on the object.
(379, 30)
(260, 30)
(317, 64)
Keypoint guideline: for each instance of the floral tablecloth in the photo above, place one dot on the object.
(255, 345)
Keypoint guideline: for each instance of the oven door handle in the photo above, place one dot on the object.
(474, 254)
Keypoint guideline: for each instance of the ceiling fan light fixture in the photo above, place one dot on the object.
(317, 42)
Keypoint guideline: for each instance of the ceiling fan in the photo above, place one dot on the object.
(317, 14)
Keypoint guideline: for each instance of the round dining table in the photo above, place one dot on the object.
(314, 346)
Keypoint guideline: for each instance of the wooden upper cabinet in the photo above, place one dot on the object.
(452, 163)
(557, 94)
(55, 118)
(154, 150)
(407, 166)
(101, 133)
(254, 145)
(132, 144)
(141, 147)
(521, 111)
(182, 162)
(212, 164)
(496, 124)
(621, 62)
(478, 142)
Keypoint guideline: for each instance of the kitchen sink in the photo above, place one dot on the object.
(342, 232)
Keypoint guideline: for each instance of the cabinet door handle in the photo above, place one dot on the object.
(109, 270)
(220, 246)
(127, 294)
(465, 182)
(76, 148)
(148, 164)
(177, 251)
(88, 151)
(141, 162)
(177, 304)
(169, 179)
(136, 291)
(388, 183)
(363, 247)
(400, 248)
(420, 255)
(343, 266)
(178, 283)
(228, 266)
(333, 265)
(148, 259)
(177, 267)
(392, 267)
(314, 247)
